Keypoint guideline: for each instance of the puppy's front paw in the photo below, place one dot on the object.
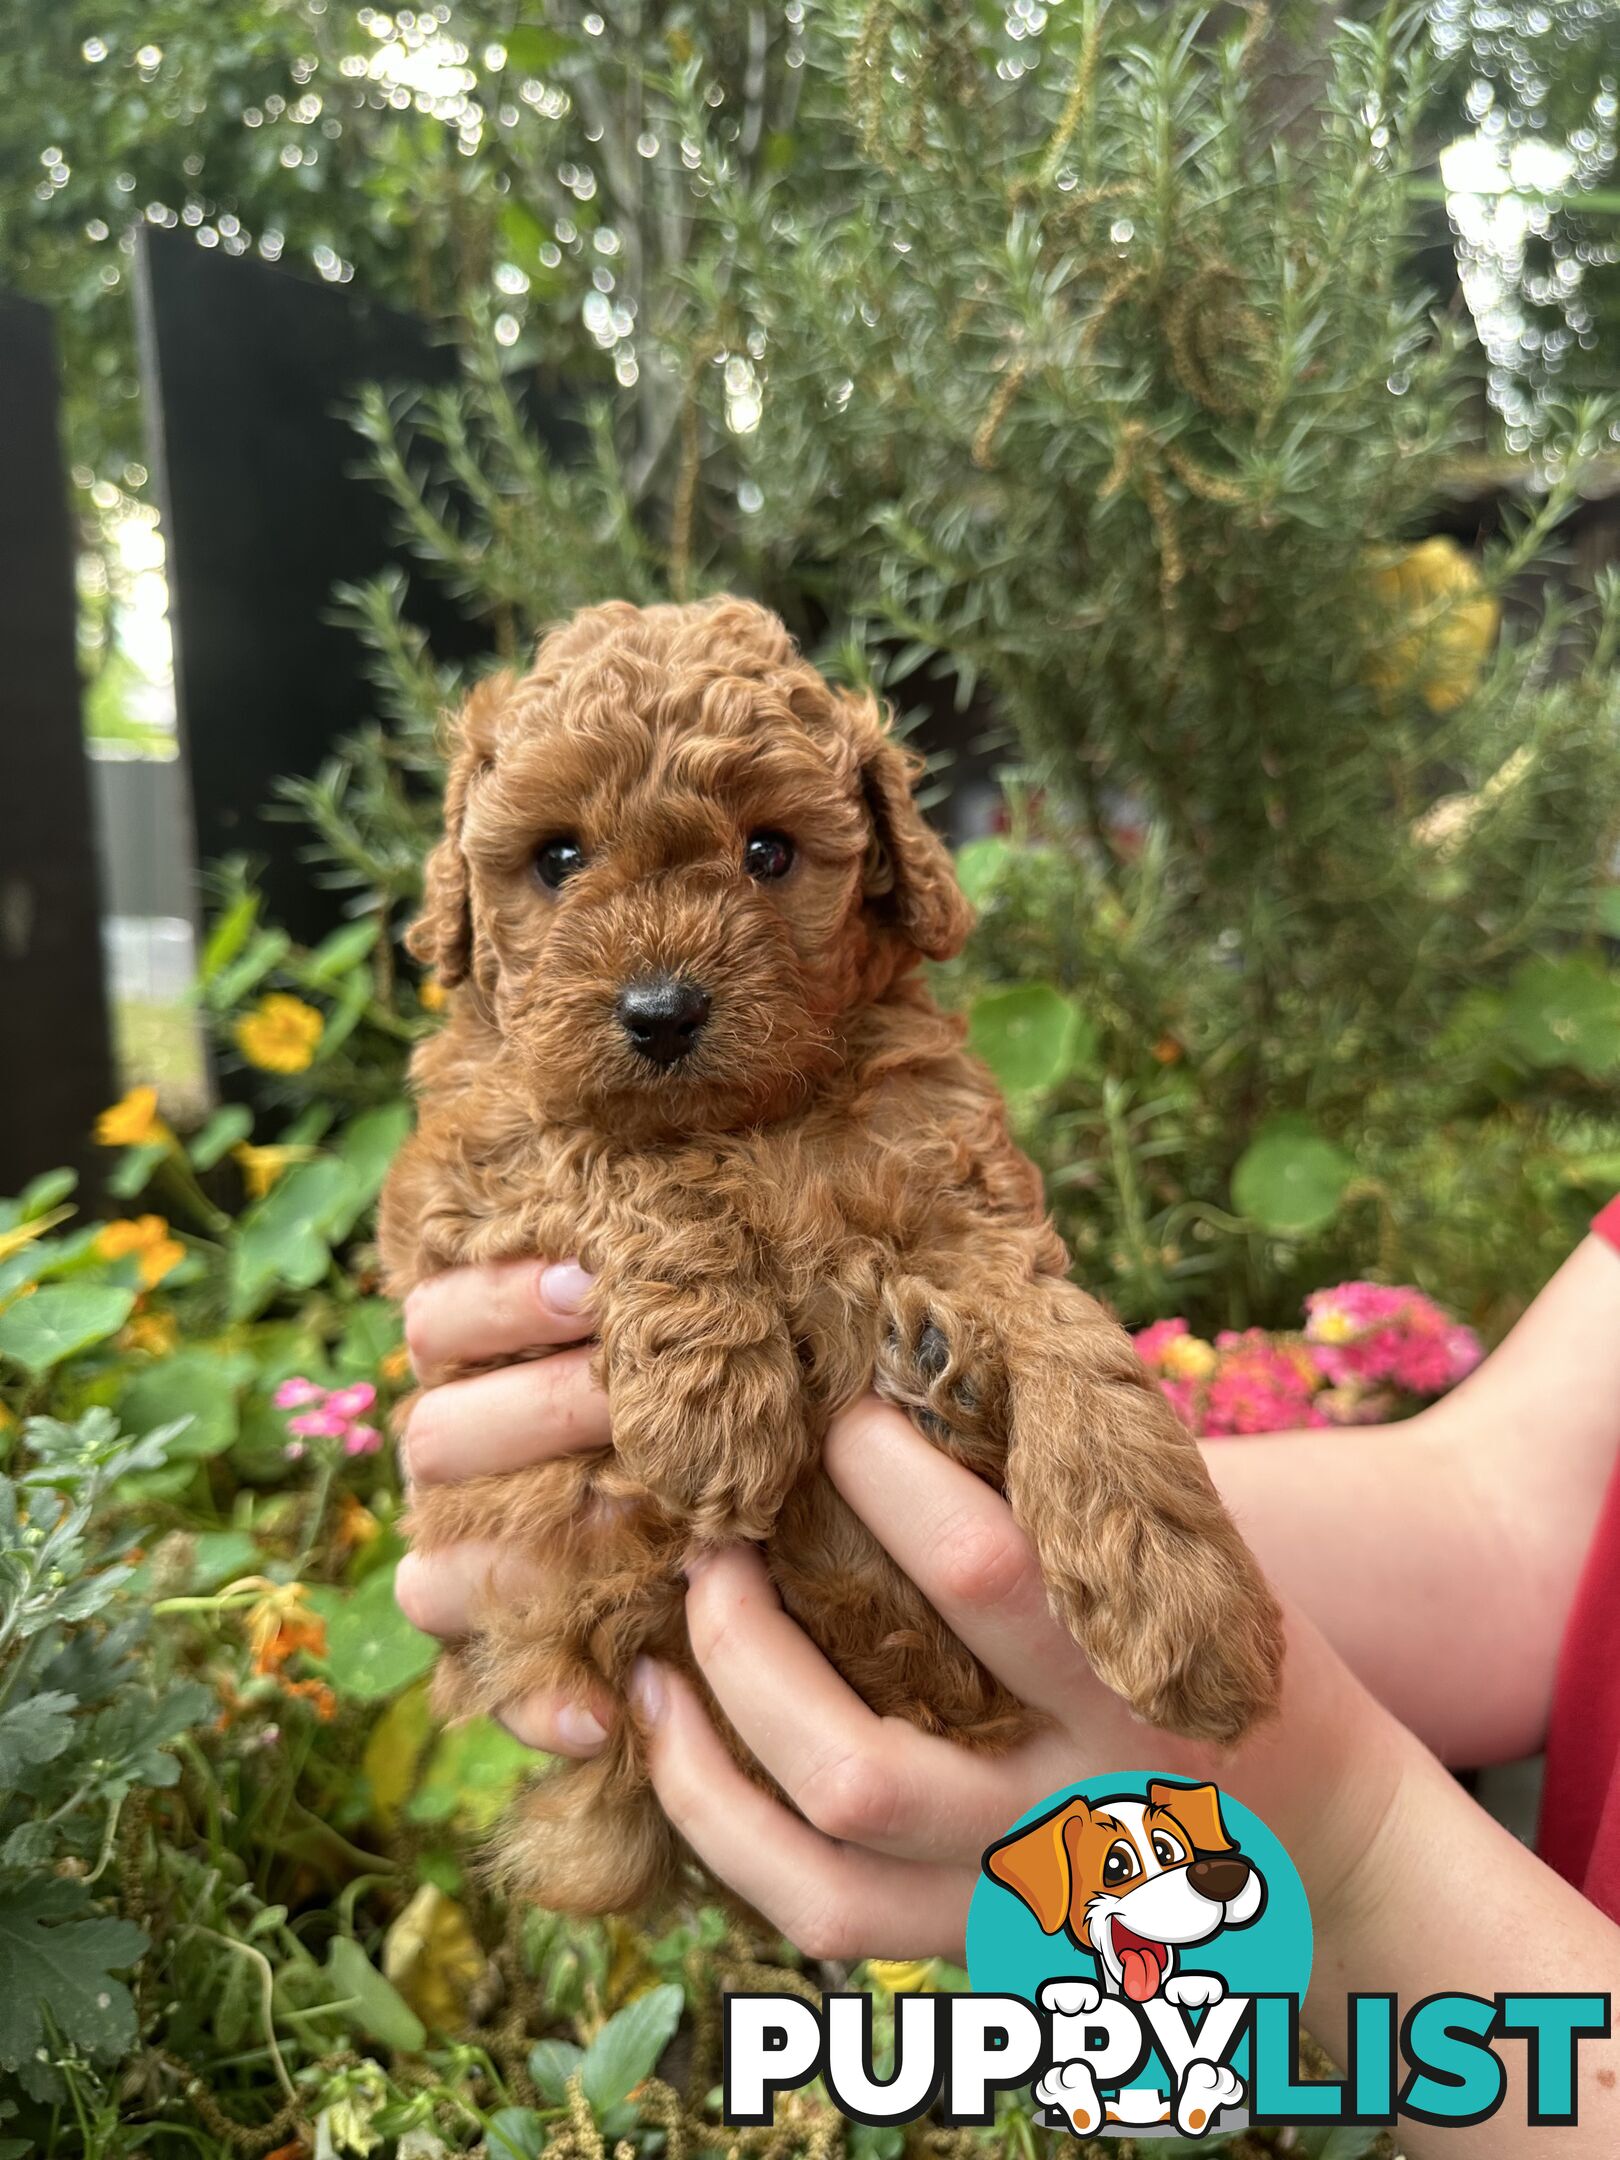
(1069, 1998)
(1194, 1991)
(1205, 2090)
(938, 1362)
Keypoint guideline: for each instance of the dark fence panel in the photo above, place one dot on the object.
(56, 1069)
(247, 370)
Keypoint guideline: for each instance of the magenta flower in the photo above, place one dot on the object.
(352, 1401)
(294, 1394)
(1152, 1342)
(329, 1414)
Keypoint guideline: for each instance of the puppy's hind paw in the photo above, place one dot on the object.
(1072, 2090)
(1206, 2088)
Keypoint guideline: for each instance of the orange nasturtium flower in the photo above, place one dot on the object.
(132, 1122)
(279, 1625)
(157, 1333)
(281, 1034)
(261, 1166)
(149, 1240)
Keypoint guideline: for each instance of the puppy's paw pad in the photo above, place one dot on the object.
(1205, 2090)
(1194, 1991)
(1069, 1998)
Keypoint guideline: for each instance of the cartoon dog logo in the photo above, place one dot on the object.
(1136, 1882)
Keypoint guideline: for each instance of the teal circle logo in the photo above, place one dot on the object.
(1143, 1904)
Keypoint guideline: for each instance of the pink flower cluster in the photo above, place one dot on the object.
(1365, 1334)
(329, 1414)
(1366, 1351)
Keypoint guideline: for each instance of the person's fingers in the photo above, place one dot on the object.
(831, 1900)
(441, 1592)
(476, 1315)
(559, 1724)
(868, 1780)
(505, 1420)
(958, 1542)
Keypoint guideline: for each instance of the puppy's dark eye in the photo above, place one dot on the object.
(557, 860)
(1120, 1864)
(768, 855)
(1166, 1851)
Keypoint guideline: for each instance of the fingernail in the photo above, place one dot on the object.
(647, 1689)
(565, 1287)
(580, 1727)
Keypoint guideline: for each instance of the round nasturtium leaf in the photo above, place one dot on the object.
(1029, 1036)
(1566, 1012)
(1290, 1179)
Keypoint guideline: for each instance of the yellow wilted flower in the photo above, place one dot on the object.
(133, 1121)
(148, 1239)
(261, 1166)
(281, 1034)
(1442, 623)
(431, 994)
(432, 1956)
(902, 1976)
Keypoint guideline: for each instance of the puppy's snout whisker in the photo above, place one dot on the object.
(663, 1018)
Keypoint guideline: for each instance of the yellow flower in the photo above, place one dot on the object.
(1189, 1357)
(133, 1122)
(395, 1365)
(905, 1976)
(431, 994)
(156, 1333)
(1442, 623)
(261, 1166)
(148, 1239)
(281, 1034)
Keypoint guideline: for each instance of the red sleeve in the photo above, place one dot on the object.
(1607, 1225)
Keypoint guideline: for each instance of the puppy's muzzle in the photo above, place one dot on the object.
(663, 1019)
(1221, 1878)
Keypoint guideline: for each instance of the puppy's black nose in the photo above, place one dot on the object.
(1221, 1878)
(663, 1018)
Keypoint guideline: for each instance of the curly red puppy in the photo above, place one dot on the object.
(681, 899)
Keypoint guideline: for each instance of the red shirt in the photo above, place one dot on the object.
(1580, 1806)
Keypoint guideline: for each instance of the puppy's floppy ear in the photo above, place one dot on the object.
(442, 935)
(908, 868)
(1034, 1864)
(1198, 1810)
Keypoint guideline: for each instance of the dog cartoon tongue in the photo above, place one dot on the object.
(1142, 1963)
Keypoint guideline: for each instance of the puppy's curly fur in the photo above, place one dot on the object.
(820, 1196)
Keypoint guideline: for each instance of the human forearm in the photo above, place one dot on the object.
(1385, 1537)
(1445, 1901)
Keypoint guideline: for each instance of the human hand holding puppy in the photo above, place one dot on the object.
(883, 1852)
